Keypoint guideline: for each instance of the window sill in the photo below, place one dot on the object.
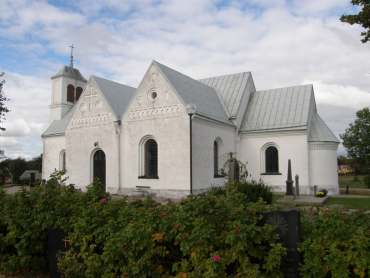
(148, 178)
(218, 176)
(271, 174)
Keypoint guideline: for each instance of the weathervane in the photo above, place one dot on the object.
(71, 58)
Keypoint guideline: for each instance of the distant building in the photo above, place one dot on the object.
(173, 133)
(30, 176)
(345, 170)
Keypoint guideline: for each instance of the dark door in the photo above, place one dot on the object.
(99, 167)
(32, 178)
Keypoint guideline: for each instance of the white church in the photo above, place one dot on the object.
(172, 134)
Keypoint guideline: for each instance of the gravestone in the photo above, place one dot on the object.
(288, 227)
(296, 185)
(234, 174)
(289, 181)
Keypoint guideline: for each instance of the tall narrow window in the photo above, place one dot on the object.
(78, 93)
(215, 159)
(272, 160)
(62, 160)
(70, 93)
(151, 159)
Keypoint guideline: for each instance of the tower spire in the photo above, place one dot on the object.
(71, 56)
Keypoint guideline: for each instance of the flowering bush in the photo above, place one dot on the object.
(322, 193)
(335, 244)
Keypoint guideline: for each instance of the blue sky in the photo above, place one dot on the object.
(282, 42)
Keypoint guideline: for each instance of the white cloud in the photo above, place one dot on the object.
(282, 42)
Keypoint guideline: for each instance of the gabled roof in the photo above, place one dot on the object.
(283, 108)
(117, 95)
(70, 72)
(230, 88)
(320, 132)
(195, 92)
(58, 127)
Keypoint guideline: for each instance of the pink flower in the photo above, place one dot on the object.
(216, 258)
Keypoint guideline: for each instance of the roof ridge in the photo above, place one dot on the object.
(112, 81)
(224, 75)
(286, 87)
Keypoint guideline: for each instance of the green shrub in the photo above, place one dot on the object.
(203, 236)
(25, 218)
(252, 191)
(335, 244)
(367, 181)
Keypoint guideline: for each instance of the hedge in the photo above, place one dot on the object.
(217, 234)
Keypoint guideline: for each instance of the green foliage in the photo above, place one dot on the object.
(357, 139)
(367, 181)
(252, 191)
(335, 244)
(210, 235)
(146, 239)
(362, 18)
(25, 219)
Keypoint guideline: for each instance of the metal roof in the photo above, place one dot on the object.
(195, 92)
(58, 127)
(230, 88)
(117, 95)
(281, 108)
(70, 72)
(320, 132)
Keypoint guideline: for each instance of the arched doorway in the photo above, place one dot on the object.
(99, 167)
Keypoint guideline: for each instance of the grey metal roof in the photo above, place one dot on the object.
(320, 132)
(195, 92)
(117, 95)
(230, 89)
(283, 108)
(58, 127)
(70, 72)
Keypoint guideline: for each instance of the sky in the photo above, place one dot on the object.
(282, 42)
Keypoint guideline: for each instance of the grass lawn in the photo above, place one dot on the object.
(348, 202)
(352, 181)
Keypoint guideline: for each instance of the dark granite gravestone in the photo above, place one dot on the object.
(289, 181)
(56, 244)
(288, 227)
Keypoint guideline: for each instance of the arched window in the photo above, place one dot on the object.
(99, 167)
(78, 93)
(215, 159)
(62, 161)
(151, 159)
(271, 160)
(70, 93)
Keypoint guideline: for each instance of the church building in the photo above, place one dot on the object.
(173, 134)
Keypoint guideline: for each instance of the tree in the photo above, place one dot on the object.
(356, 139)
(3, 99)
(362, 18)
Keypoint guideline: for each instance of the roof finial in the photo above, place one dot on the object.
(71, 57)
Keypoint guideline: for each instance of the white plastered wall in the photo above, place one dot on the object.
(323, 166)
(205, 132)
(51, 154)
(92, 127)
(291, 145)
(164, 119)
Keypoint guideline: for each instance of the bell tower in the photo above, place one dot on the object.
(67, 86)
